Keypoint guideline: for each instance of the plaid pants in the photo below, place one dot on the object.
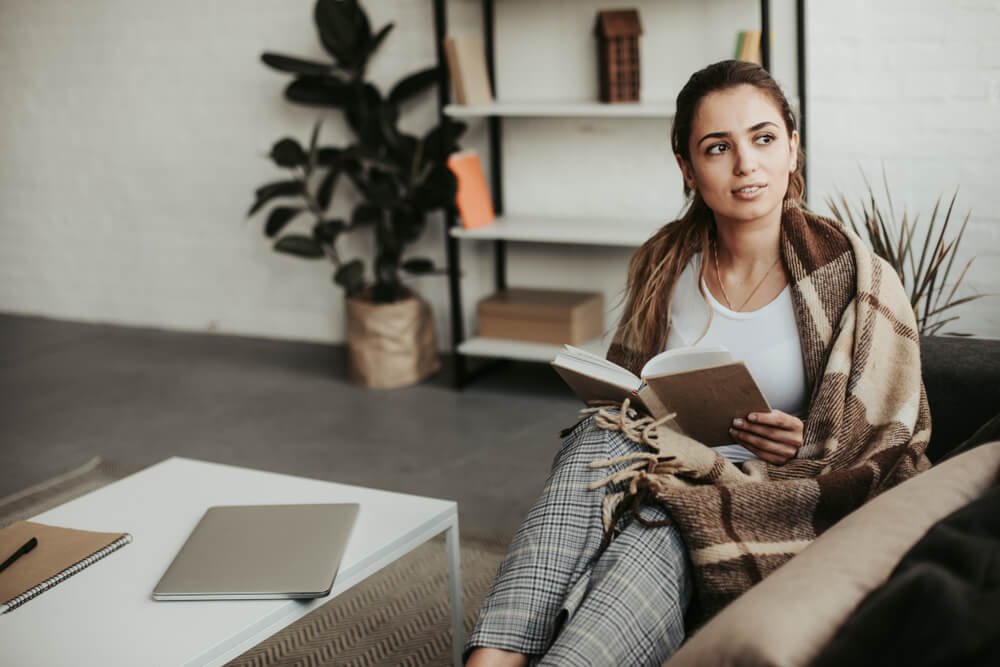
(562, 600)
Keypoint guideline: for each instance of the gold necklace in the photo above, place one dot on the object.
(718, 278)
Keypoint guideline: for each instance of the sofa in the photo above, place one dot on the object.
(911, 578)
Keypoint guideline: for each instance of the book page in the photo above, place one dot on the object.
(683, 359)
(599, 368)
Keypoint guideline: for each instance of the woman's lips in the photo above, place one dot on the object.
(749, 191)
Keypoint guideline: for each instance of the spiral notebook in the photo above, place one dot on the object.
(60, 553)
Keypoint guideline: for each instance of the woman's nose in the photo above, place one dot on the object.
(746, 160)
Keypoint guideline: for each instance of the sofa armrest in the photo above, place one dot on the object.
(962, 379)
(789, 617)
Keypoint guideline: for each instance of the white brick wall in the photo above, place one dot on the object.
(914, 88)
(132, 137)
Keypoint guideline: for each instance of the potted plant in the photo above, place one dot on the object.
(924, 263)
(399, 179)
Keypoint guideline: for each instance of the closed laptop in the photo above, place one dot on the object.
(260, 552)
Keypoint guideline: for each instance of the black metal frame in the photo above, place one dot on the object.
(461, 374)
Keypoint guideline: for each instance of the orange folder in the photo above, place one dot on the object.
(475, 206)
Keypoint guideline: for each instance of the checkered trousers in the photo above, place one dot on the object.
(560, 599)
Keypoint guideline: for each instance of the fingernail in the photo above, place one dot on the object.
(732, 431)
(737, 422)
(752, 417)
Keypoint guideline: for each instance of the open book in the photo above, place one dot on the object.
(703, 385)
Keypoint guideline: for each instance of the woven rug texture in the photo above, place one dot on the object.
(399, 616)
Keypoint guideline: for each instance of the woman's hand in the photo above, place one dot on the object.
(772, 436)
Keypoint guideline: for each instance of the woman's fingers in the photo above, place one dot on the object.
(763, 446)
(772, 436)
(769, 432)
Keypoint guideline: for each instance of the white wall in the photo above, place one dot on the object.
(912, 87)
(133, 135)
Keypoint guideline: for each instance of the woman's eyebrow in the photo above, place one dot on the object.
(723, 135)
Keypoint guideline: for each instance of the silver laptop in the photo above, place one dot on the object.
(268, 552)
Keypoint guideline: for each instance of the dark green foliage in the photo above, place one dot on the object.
(399, 177)
(922, 255)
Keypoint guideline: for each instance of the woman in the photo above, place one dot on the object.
(801, 303)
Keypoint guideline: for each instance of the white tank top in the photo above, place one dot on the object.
(766, 340)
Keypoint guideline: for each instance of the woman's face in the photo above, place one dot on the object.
(741, 155)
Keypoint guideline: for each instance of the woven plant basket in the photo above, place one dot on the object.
(391, 344)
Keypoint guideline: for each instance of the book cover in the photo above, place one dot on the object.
(706, 398)
(467, 66)
(475, 205)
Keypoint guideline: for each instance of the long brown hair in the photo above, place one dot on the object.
(655, 267)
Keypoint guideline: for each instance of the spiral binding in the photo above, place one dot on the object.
(34, 592)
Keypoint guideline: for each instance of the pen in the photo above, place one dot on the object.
(25, 548)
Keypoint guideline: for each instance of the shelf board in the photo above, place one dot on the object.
(521, 350)
(563, 110)
(585, 231)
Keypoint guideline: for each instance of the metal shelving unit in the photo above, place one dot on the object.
(547, 230)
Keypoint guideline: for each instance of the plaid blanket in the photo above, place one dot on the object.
(867, 427)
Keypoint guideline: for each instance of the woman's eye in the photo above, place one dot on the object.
(716, 149)
(765, 139)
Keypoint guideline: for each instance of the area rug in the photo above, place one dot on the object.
(399, 616)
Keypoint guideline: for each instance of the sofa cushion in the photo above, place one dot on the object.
(941, 606)
(788, 618)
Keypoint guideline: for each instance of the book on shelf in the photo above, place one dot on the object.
(748, 46)
(703, 386)
(59, 554)
(475, 205)
(470, 78)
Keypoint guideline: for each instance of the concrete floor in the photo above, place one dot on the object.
(136, 396)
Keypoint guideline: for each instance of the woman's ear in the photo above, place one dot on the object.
(793, 147)
(686, 172)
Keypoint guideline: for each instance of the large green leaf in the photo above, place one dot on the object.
(344, 31)
(288, 153)
(407, 227)
(278, 218)
(319, 91)
(296, 65)
(266, 193)
(382, 188)
(437, 190)
(329, 156)
(377, 40)
(363, 115)
(387, 115)
(324, 195)
(300, 246)
(328, 230)
(313, 155)
(356, 173)
(414, 84)
(365, 214)
(418, 266)
(442, 140)
(351, 276)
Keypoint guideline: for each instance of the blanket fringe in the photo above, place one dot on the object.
(649, 473)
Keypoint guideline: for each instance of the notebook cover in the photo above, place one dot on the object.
(58, 548)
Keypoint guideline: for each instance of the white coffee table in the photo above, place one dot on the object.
(105, 614)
